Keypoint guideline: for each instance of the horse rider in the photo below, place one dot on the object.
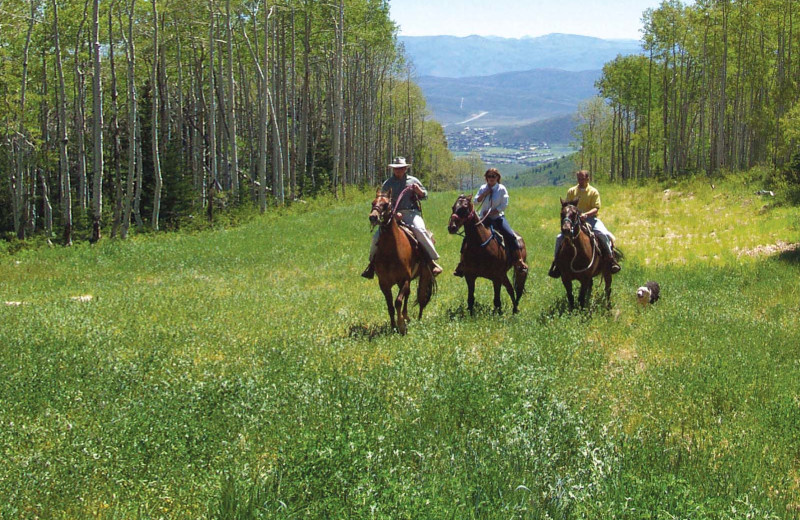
(589, 206)
(409, 211)
(493, 197)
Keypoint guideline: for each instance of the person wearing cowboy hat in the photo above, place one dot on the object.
(493, 197)
(409, 211)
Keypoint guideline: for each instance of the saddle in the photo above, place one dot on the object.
(501, 240)
(411, 237)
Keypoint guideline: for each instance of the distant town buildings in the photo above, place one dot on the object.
(494, 150)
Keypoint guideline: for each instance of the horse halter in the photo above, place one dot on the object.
(457, 219)
(382, 209)
(574, 224)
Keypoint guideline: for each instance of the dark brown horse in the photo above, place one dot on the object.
(483, 256)
(398, 260)
(579, 257)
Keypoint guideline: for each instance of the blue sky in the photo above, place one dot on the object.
(518, 18)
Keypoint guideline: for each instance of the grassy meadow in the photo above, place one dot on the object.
(250, 372)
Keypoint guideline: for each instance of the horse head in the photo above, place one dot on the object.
(570, 218)
(381, 212)
(462, 211)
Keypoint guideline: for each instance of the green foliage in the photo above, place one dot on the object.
(250, 372)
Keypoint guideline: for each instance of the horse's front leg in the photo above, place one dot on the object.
(398, 307)
(568, 287)
(498, 305)
(386, 289)
(470, 293)
(510, 290)
(586, 292)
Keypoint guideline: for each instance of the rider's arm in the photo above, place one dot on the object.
(482, 192)
(594, 201)
(421, 192)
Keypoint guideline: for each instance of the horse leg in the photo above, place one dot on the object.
(568, 287)
(607, 279)
(398, 307)
(586, 292)
(387, 293)
(510, 290)
(470, 293)
(406, 295)
(497, 303)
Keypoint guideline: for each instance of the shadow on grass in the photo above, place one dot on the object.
(461, 311)
(791, 256)
(360, 331)
(560, 307)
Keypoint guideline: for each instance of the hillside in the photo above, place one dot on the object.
(456, 57)
(250, 372)
(511, 98)
(554, 130)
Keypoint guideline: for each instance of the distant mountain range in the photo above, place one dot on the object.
(507, 99)
(511, 84)
(459, 57)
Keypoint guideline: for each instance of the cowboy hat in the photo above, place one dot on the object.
(400, 162)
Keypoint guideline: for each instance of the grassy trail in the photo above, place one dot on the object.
(250, 373)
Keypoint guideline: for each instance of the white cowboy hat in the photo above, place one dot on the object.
(400, 162)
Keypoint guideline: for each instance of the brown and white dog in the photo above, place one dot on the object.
(648, 293)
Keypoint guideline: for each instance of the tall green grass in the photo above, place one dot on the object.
(251, 373)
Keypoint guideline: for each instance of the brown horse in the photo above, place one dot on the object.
(398, 260)
(484, 257)
(579, 257)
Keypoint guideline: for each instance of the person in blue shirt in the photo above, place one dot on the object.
(409, 211)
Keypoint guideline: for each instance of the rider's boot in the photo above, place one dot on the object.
(609, 254)
(369, 272)
(435, 268)
(554, 271)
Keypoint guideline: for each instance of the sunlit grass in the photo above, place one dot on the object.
(251, 372)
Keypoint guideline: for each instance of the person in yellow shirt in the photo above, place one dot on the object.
(589, 205)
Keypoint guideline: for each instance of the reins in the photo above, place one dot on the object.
(393, 210)
(472, 214)
(575, 230)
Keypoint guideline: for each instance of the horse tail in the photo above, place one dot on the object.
(520, 277)
(426, 287)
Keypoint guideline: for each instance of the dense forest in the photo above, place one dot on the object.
(122, 115)
(717, 89)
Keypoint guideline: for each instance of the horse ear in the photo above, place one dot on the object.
(562, 201)
(470, 197)
(389, 194)
(377, 192)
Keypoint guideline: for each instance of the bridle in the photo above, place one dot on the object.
(387, 214)
(574, 231)
(574, 224)
(382, 207)
(457, 220)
